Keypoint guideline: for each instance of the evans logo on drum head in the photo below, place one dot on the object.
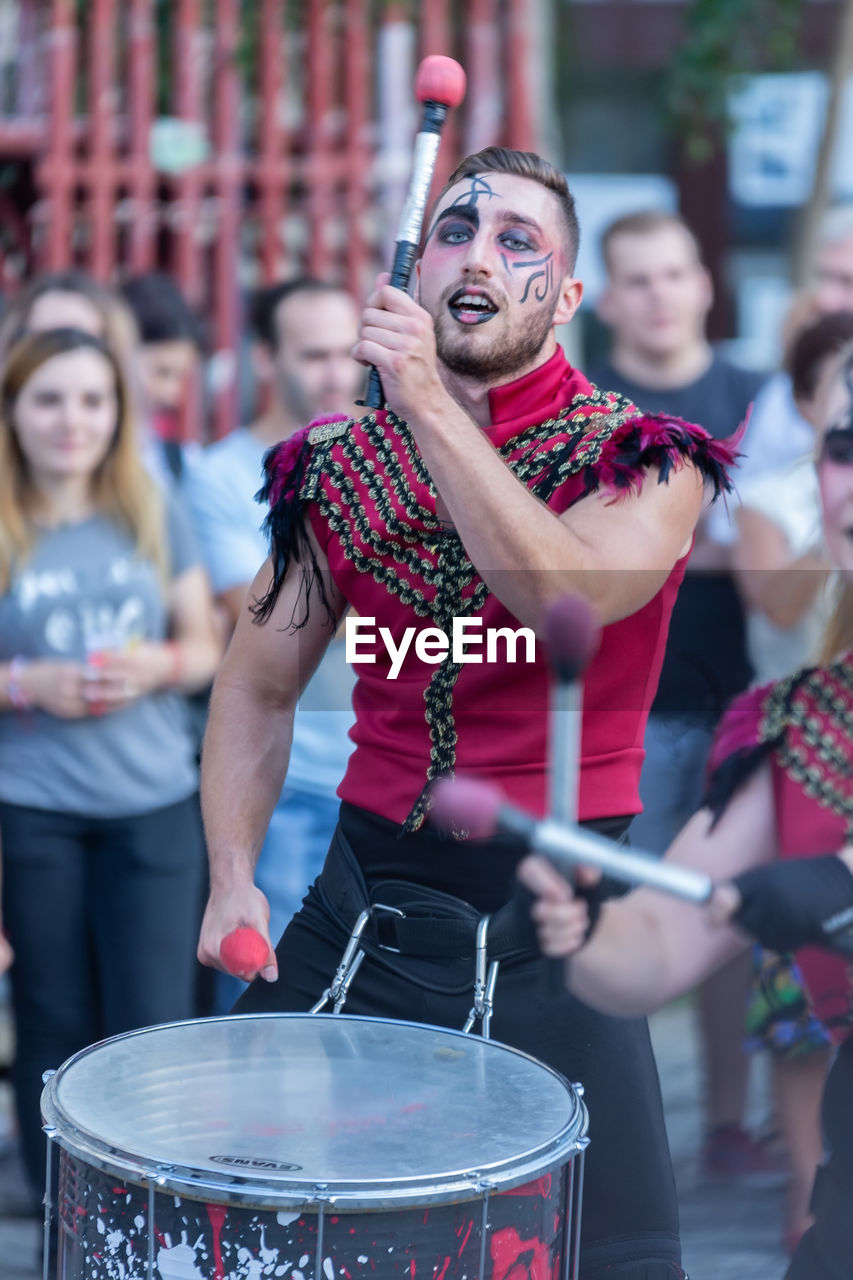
(249, 1162)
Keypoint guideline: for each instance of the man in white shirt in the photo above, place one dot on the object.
(304, 331)
(778, 433)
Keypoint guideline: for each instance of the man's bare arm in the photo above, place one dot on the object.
(247, 745)
(615, 551)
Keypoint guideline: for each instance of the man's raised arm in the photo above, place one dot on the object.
(247, 745)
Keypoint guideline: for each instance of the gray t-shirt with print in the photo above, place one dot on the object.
(84, 588)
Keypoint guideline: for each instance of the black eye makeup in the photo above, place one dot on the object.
(516, 242)
(837, 446)
(454, 232)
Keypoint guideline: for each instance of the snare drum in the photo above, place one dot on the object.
(314, 1148)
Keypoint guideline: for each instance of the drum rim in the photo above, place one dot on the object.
(249, 1188)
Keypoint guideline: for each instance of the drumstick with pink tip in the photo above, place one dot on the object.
(481, 809)
(439, 85)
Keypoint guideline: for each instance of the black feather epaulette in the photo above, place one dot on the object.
(742, 743)
(657, 440)
(291, 472)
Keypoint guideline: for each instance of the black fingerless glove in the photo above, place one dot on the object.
(798, 903)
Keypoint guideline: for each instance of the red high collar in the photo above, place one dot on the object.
(537, 395)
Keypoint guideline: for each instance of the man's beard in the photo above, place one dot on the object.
(503, 359)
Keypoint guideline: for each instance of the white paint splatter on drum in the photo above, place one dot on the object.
(178, 1263)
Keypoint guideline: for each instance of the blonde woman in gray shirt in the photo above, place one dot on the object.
(105, 619)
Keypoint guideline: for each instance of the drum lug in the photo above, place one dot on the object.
(485, 980)
(51, 1132)
(485, 1189)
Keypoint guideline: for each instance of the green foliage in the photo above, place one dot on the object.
(724, 39)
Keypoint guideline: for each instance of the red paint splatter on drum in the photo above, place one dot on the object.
(442, 1272)
(412, 1269)
(540, 1187)
(411, 1107)
(465, 1238)
(216, 1214)
(517, 1259)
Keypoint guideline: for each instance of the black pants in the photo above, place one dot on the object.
(630, 1216)
(826, 1250)
(103, 915)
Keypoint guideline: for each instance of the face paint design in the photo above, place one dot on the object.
(479, 189)
(491, 275)
(545, 274)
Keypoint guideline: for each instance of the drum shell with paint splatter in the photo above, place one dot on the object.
(314, 1148)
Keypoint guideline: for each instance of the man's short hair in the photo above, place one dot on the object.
(643, 222)
(265, 302)
(161, 311)
(524, 164)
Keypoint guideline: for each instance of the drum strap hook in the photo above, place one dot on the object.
(485, 979)
(351, 960)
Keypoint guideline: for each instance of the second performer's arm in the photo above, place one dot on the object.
(617, 552)
(647, 948)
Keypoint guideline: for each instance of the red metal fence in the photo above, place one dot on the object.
(232, 141)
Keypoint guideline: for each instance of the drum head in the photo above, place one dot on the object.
(291, 1110)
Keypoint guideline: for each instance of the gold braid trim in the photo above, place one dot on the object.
(444, 584)
(810, 717)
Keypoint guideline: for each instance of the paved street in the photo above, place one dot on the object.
(729, 1234)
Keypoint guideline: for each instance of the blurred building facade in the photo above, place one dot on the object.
(232, 142)
(745, 194)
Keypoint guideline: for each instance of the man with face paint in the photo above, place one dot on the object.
(495, 480)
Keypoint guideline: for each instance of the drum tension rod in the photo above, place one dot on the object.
(350, 961)
(485, 978)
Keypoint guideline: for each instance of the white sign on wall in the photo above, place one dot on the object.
(778, 121)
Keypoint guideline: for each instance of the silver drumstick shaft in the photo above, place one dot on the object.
(567, 845)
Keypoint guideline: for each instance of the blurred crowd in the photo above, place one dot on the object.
(128, 550)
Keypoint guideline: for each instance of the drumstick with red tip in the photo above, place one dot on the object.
(439, 85)
(244, 952)
(481, 809)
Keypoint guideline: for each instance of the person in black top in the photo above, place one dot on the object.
(170, 352)
(656, 300)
